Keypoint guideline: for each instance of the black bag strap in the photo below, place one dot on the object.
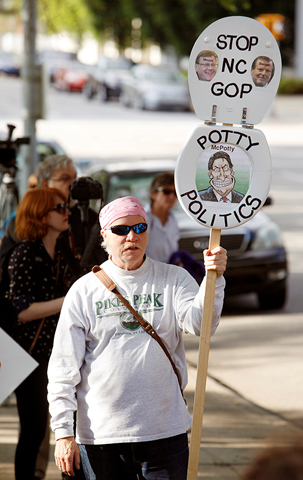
(110, 285)
(31, 348)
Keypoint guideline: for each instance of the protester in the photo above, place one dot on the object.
(36, 268)
(131, 417)
(163, 230)
(278, 462)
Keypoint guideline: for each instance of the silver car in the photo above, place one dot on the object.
(153, 88)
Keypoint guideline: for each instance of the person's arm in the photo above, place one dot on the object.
(67, 455)
(66, 360)
(26, 287)
(40, 310)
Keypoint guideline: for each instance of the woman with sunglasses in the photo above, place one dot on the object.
(36, 271)
(163, 230)
(131, 417)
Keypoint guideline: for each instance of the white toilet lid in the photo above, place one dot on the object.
(218, 159)
(246, 65)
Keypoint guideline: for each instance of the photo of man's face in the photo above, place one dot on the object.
(262, 71)
(222, 177)
(206, 65)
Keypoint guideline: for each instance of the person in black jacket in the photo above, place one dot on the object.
(37, 289)
(58, 171)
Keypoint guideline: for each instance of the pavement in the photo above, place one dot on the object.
(234, 429)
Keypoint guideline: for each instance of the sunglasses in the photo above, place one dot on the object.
(60, 208)
(125, 229)
(167, 191)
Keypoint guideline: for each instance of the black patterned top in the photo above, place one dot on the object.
(32, 275)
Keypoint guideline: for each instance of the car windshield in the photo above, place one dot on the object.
(161, 76)
(119, 64)
(135, 185)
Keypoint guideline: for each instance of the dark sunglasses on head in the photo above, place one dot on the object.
(60, 208)
(125, 229)
(167, 191)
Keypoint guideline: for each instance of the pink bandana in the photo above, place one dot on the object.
(119, 208)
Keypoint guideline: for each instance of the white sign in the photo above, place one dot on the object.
(234, 64)
(16, 365)
(223, 175)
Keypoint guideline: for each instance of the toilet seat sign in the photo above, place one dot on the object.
(223, 175)
(234, 64)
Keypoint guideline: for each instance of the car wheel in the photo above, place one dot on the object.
(102, 93)
(124, 99)
(272, 301)
(88, 92)
(139, 102)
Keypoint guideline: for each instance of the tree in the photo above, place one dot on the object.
(69, 16)
(180, 22)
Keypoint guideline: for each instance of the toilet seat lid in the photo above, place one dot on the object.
(244, 71)
(217, 162)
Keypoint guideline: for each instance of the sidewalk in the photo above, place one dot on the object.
(233, 430)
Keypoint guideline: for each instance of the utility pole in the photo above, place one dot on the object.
(31, 91)
(299, 38)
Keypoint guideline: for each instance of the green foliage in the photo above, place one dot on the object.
(180, 22)
(69, 15)
(291, 86)
(167, 22)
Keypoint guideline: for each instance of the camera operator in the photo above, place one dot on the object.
(58, 171)
(80, 244)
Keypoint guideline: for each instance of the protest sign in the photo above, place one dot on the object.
(16, 365)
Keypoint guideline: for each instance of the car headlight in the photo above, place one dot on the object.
(268, 236)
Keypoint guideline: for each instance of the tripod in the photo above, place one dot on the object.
(9, 194)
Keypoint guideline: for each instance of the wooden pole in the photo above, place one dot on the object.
(194, 449)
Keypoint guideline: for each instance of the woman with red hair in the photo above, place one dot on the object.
(37, 290)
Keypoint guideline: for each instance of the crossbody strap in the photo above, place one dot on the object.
(110, 285)
(43, 319)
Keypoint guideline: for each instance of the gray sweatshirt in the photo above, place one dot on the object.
(105, 366)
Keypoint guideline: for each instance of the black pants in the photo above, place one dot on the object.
(164, 459)
(33, 413)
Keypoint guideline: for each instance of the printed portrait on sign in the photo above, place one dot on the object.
(262, 71)
(223, 174)
(206, 65)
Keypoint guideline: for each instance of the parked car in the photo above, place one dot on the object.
(54, 59)
(104, 82)
(71, 77)
(257, 260)
(9, 64)
(153, 88)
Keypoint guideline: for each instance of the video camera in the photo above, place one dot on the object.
(9, 149)
(85, 189)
